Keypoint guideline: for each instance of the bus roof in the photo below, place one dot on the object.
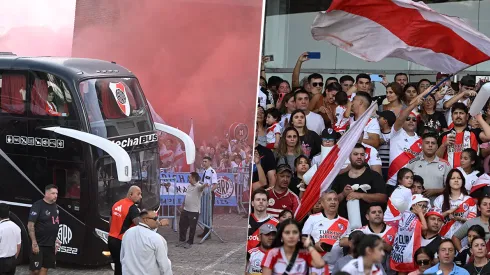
(65, 67)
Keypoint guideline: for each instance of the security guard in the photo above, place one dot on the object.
(430, 167)
(211, 178)
(124, 214)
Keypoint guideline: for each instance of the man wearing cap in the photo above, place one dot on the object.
(280, 197)
(430, 167)
(256, 254)
(386, 119)
(431, 238)
(405, 144)
(466, 90)
(482, 220)
(409, 235)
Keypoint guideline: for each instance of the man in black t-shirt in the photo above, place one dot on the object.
(43, 225)
(359, 174)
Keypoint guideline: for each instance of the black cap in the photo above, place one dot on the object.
(467, 80)
(330, 134)
(388, 115)
(283, 167)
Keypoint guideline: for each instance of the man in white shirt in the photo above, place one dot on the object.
(144, 251)
(372, 132)
(314, 121)
(211, 178)
(10, 241)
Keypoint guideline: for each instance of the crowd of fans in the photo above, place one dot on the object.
(416, 172)
(227, 156)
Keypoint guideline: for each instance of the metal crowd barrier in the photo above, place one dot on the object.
(206, 215)
(242, 185)
(168, 206)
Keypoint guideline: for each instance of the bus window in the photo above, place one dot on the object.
(68, 183)
(12, 93)
(109, 101)
(50, 96)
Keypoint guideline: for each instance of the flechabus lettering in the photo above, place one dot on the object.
(145, 139)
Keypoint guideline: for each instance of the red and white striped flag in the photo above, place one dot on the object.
(375, 29)
(332, 164)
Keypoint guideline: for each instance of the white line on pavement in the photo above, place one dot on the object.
(195, 269)
(224, 257)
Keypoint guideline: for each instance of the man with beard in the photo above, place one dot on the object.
(256, 254)
(280, 197)
(258, 217)
(326, 228)
(432, 169)
(359, 174)
(465, 92)
(460, 137)
(402, 79)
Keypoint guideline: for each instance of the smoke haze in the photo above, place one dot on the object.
(194, 59)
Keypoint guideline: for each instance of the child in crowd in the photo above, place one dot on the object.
(273, 133)
(342, 112)
(401, 196)
(329, 139)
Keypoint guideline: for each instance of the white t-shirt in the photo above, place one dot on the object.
(469, 179)
(401, 193)
(315, 122)
(9, 238)
(372, 127)
(400, 141)
(264, 99)
(323, 229)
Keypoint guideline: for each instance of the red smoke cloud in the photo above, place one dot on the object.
(194, 60)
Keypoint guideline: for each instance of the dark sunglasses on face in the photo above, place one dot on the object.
(154, 218)
(414, 119)
(314, 84)
(423, 262)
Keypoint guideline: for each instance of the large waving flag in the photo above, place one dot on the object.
(376, 29)
(191, 134)
(332, 164)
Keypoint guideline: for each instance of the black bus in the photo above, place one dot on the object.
(85, 126)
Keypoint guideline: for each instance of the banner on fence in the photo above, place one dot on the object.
(176, 183)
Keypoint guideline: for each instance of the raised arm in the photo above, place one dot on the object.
(406, 112)
(297, 68)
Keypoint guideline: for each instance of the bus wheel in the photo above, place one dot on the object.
(26, 242)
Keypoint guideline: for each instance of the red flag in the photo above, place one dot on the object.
(332, 164)
(375, 29)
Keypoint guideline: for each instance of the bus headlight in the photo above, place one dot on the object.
(102, 235)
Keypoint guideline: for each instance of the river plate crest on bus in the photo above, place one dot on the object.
(119, 93)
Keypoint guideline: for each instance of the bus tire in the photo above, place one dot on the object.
(26, 242)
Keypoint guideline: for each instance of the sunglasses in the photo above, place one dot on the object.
(414, 119)
(314, 84)
(154, 218)
(423, 262)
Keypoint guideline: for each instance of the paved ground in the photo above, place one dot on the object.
(211, 257)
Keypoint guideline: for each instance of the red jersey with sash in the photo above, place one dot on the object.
(280, 201)
(329, 231)
(403, 148)
(408, 239)
(275, 259)
(469, 138)
(465, 208)
(253, 229)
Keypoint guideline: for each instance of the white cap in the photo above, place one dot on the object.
(419, 198)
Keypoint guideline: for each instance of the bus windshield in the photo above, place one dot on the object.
(145, 167)
(115, 106)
